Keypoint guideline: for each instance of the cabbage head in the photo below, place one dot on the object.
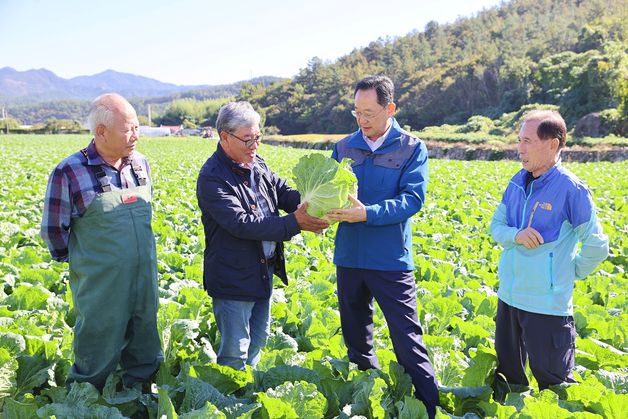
(324, 183)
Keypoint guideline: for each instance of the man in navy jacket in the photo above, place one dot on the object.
(240, 199)
(373, 251)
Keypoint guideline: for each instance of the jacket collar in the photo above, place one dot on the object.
(541, 180)
(391, 143)
(234, 166)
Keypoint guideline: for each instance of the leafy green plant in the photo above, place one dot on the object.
(304, 369)
(324, 183)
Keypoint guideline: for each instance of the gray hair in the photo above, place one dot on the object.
(236, 115)
(102, 110)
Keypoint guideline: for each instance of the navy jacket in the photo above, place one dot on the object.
(392, 181)
(234, 263)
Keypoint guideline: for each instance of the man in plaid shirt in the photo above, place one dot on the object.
(97, 217)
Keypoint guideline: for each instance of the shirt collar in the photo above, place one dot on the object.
(249, 166)
(95, 159)
(391, 141)
(374, 145)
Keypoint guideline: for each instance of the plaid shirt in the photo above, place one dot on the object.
(72, 187)
(269, 246)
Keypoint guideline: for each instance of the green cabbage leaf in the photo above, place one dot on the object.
(324, 183)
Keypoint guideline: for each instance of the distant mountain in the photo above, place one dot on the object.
(126, 84)
(31, 86)
(34, 96)
(39, 83)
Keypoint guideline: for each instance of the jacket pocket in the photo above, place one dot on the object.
(564, 338)
(401, 239)
(386, 173)
(551, 269)
(383, 245)
(533, 272)
(235, 260)
(236, 275)
(562, 354)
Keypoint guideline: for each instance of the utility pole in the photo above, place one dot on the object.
(150, 122)
(6, 120)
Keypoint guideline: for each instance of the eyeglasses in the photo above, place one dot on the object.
(247, 142)
(366, 116)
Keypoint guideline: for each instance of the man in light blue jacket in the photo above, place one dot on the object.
(545, 212)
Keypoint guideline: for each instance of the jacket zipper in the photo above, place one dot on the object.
(525, 203)
(551, 269)
(523, 217)
(367, 171)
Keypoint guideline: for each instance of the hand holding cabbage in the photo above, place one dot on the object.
(324, 183)
(355, 214)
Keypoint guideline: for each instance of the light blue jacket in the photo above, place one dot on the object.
(392, 181)
(560, 207)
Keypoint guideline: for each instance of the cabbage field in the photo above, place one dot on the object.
(304, 372)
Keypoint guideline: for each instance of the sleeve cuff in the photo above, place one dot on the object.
(514, 235)
(61, 257)
(371, 213)
(292, 226)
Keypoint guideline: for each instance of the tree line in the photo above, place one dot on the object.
(569, 53)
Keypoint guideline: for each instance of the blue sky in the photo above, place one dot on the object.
(204, 42)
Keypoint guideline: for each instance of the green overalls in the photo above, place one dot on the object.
(113, 278)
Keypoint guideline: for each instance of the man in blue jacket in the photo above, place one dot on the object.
(373, 251)
(240, 199)
(544, 213)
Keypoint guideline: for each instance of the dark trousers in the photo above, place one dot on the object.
(395, 293)
(548, 342)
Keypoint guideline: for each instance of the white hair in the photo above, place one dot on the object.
(102, 111)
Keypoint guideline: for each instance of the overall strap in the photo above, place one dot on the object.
(139, 172)
(102, 178)
(105, 185)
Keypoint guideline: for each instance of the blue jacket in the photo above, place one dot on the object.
(392, 182)
(234, 263)
(560, 207)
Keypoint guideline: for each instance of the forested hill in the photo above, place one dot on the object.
(70, 99)
(570, 53)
